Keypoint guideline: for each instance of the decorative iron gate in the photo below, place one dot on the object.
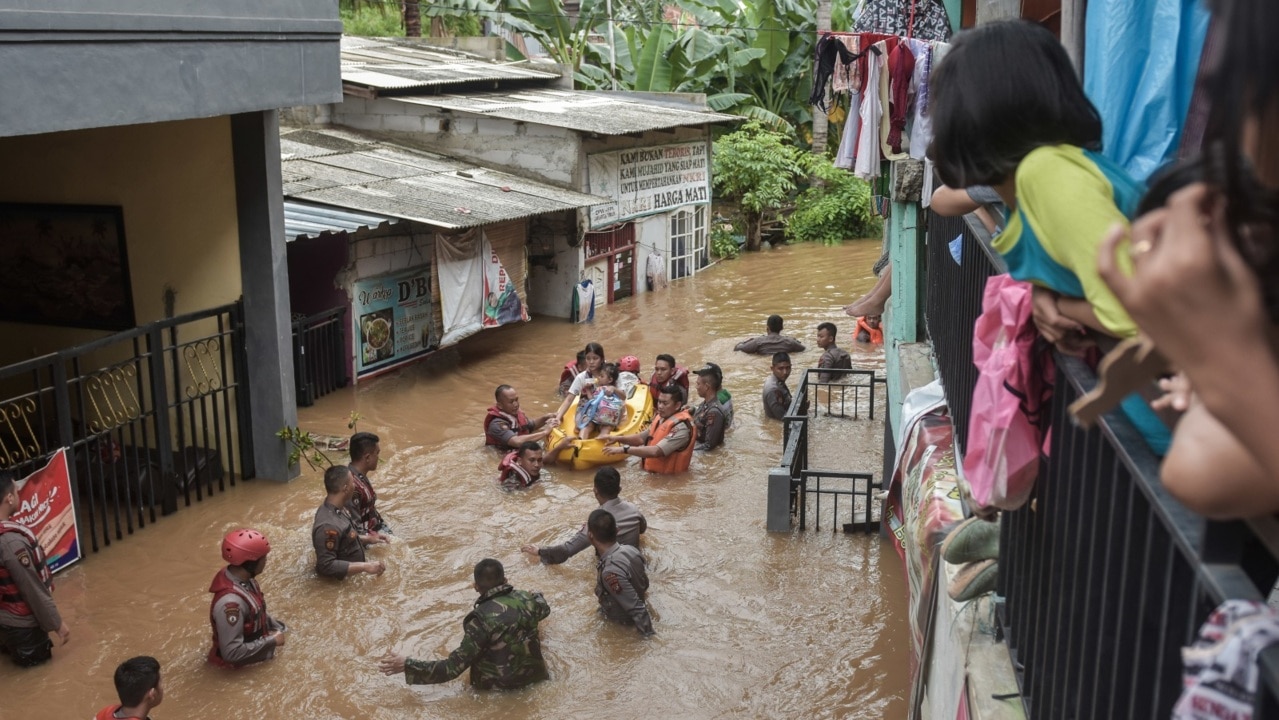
(151, 418)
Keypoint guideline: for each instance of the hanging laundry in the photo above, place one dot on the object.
(583, 302)
(921, 125)
(901, 73)
(868, 159)
(847, 152)
(923, 19)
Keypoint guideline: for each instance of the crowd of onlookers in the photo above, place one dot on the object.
(1184, 264)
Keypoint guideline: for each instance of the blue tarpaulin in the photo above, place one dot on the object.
(1140, 62)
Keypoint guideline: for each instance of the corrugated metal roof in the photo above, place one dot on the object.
(383, 179)
(391, 65)
(579, 110)
(303, 219)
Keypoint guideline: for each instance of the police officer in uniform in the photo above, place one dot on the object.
(27, 612)
(366, 450)
(621, 582)
(500, 645)
(335, 534)
(630, 521)
(243, 631)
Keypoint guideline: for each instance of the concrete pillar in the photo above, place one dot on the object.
(905, 241)
(264, 273)
(779, 519)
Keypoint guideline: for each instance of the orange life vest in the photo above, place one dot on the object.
(679, 460)
(876, 334)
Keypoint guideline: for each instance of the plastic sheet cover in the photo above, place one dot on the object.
(1140, 62)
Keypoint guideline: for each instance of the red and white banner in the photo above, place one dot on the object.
(47, 508)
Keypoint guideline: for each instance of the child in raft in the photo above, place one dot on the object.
(600, 409)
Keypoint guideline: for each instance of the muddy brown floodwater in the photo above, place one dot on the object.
(750, 624)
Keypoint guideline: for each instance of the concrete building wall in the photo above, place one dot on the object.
(176, 185)
(123, 62)
(534, 151)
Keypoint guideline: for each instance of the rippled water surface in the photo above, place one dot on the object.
(750, 624)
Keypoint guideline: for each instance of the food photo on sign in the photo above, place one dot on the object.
(375, 336)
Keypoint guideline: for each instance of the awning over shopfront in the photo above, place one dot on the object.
(304, 219)
(379, 180)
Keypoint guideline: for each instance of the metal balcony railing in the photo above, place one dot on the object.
(1104, 577)
(845, 394)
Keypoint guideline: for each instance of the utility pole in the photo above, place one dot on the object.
(819, 116)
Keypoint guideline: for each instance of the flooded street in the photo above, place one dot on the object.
(750, 624)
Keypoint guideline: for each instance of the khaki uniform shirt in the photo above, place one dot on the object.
(19, 560)
(630, 525)
(336, 540)
(621, 584)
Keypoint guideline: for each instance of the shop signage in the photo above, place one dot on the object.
(392, 316)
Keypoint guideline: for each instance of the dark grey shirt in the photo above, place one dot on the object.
(336, 541)
(621, 584)
(770, 344)
(835, 358)
(630, 525)
(777, 398)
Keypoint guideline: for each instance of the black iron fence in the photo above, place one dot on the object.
(152, 418)
(320, 355)
(954, 290)
(1103, 576)
(845, 394)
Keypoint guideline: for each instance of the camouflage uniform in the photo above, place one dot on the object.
(500, 645)
(621, 583)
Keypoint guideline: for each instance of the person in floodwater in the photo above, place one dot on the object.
(869, 330)
(335, 534)
(666, 372)
(521, 468)
(715, 414)
(243, 631)
(621, 581)
(507, 427)
(772, 342)
(137, 684)
(571, 370)
(833, 357)
(27, 612)
(500, 643)
(777, 397)
(366, 450)
(666, 447)
(630, 521)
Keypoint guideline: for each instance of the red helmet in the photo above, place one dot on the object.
(244, 545)
(630, 364)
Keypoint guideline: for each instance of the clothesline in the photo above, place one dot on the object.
(886, 81)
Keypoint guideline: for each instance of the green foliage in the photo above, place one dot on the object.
(757, 167)
(303, 445)
(723, 244)
(836, 209)
(753, 59)
(371, 21)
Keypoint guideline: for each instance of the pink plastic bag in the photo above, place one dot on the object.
(1014, 385)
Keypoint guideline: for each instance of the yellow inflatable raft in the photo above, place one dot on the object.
(586, 454)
